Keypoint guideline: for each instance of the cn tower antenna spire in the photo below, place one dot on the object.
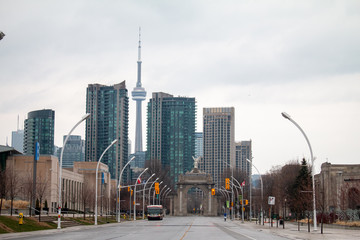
(139, 53)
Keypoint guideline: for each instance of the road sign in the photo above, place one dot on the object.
(271, 200)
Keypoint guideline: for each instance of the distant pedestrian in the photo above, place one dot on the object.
(224, 217)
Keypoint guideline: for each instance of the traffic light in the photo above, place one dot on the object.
(246, 202)
(157, 190)
(128, 189)
(227, 183)
(132, 191)
(213, 191)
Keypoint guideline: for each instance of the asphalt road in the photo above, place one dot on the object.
(179, 228)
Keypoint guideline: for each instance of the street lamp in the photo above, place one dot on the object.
(167, 190)
(262, 191)
(135, 191)
(166, 193)
(120, 185)
(160, 194)
(232, 190)
(242, 200)
(144, 194)
(96, 177)
(287, 116)
(86, 116)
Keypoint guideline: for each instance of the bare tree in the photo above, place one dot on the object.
(3, 188)
(12, 184)
(42, 183)
(86, 196)
(27, 183)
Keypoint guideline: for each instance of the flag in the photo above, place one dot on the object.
(243, 183)
(138, 180)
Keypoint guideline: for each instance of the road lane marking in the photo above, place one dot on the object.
(186, 231)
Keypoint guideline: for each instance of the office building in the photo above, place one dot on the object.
(17, 140)
(219, 142)
(243, 152)
(171, 132)
(39, 127)
(74, 151)
(109, 109)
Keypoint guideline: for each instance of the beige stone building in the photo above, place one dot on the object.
(338, 187)
(78, 183)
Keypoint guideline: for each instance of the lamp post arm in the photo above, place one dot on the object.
(86, 116)
(122, 170)
(287, 116)
(96, 177)
(135, 191)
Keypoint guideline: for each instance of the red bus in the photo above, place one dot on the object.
(155, 212)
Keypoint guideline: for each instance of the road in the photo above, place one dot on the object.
(177, 228)
(186, 228)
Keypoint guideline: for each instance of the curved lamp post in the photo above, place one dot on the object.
(232, 190)
(287, 116)
(135, 191)
(161, 192)
(144, 194)
(242, 199)
(150, 189)
(166, 191)
(86, 116)
(262, 191)
(120, 185)
(96, 178)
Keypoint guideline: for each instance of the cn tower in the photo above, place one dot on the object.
(139, 95)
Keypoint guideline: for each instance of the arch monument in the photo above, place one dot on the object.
(195, 179)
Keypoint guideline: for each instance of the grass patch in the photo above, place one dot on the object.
(30, 224)
(86, 221)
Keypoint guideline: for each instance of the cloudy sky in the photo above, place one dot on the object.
(261, 57)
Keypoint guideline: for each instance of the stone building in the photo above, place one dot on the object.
(338, 187)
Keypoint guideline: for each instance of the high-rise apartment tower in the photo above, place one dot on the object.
(219, 142)
(171, 132)
(109, 108)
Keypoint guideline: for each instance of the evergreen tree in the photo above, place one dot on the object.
(300, 198)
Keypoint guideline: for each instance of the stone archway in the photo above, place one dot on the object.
(195, 179)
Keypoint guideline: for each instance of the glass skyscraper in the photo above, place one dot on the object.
(109, 108)
(199, 146)
(39, 127)
(171, 132)
(74, 151)
(17, 140)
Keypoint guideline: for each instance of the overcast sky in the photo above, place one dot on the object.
(261, 57)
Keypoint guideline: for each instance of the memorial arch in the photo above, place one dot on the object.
(195, 179)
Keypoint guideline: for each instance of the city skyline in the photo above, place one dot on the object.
(260, 58)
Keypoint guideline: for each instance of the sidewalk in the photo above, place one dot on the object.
(291, 231)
